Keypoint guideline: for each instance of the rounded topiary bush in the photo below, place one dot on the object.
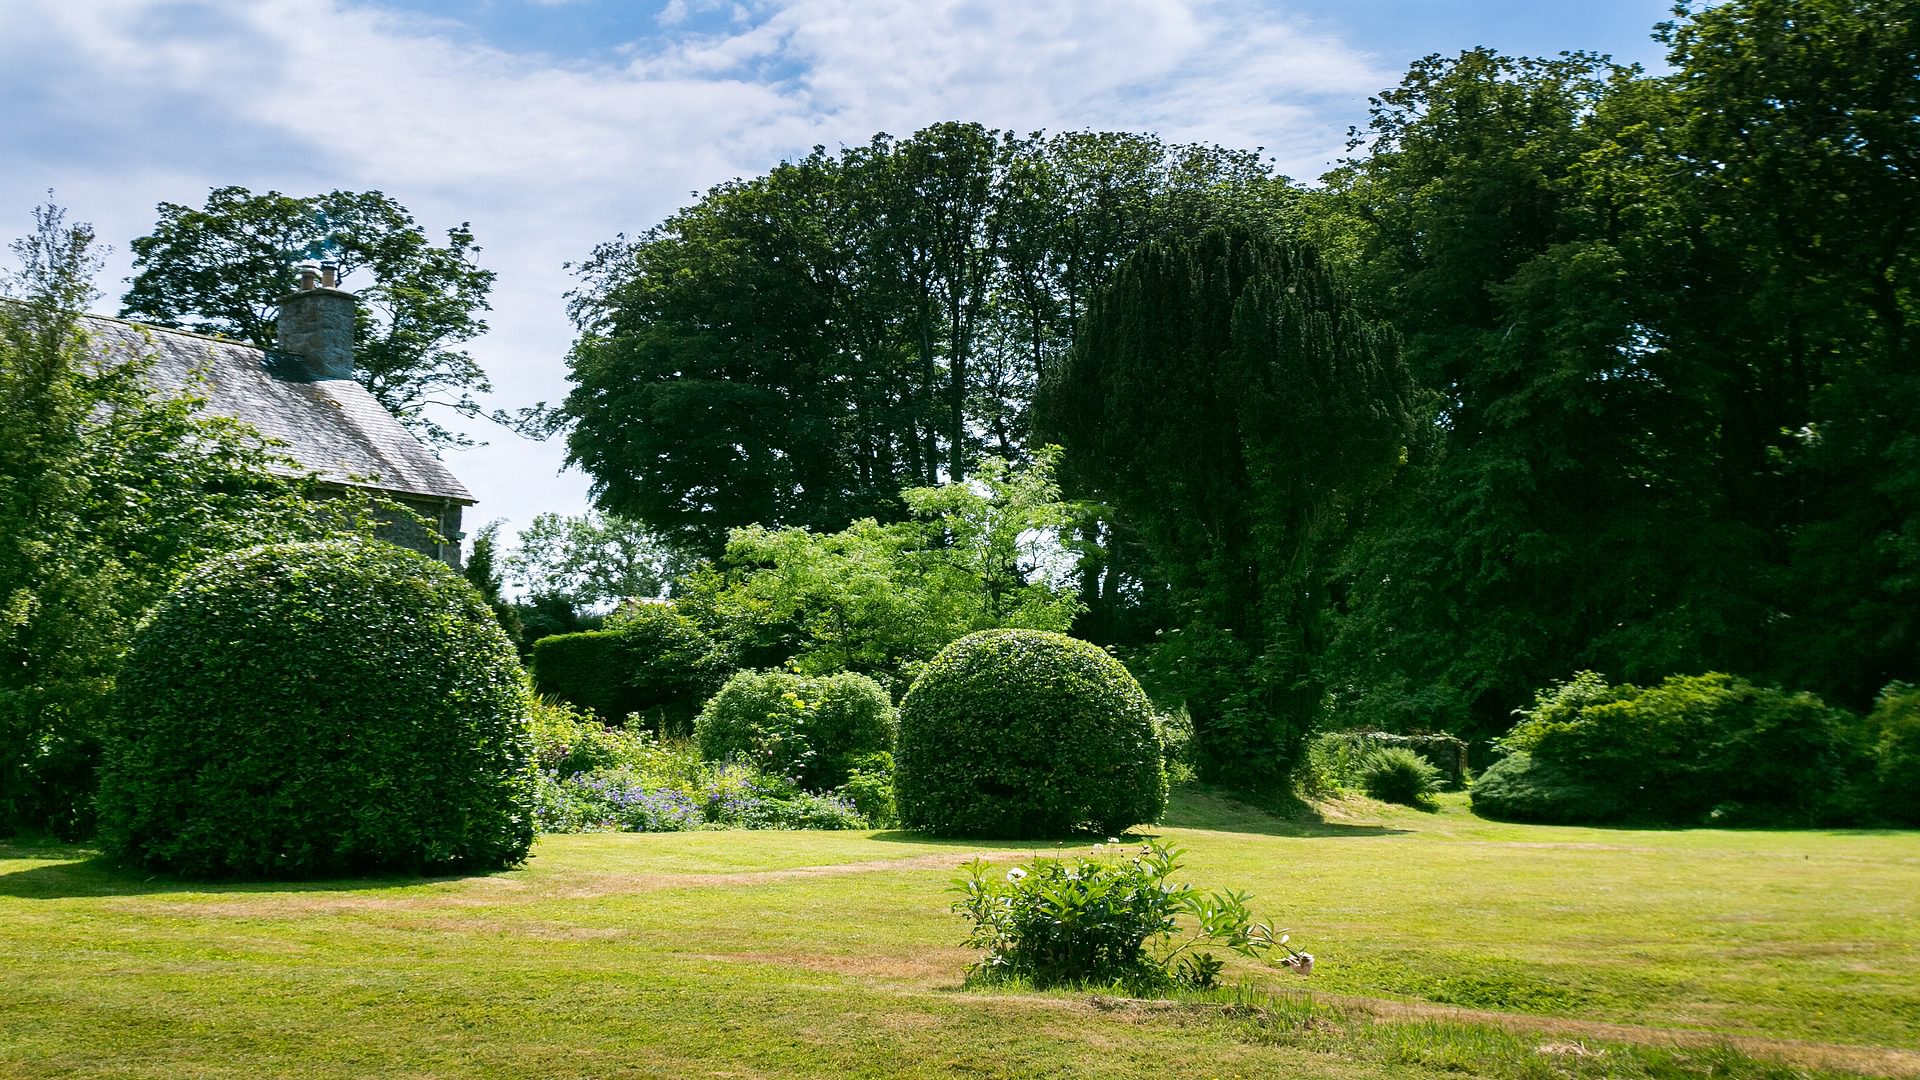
(1021, 733)
(297, 710)
(812, 729)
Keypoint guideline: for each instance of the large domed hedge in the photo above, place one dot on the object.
(1022, 733)
(297, 710)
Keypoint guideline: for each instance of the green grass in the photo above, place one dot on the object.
(1446, 945)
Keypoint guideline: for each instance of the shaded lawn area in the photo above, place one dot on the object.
(1445, 944)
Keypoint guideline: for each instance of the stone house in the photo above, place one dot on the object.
(302, 395)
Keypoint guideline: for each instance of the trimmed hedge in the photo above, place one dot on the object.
(809, 729)
(300, 710)
(1023, 733)
(653, 661)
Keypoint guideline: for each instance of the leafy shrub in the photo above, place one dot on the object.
(1174, 730)
(1107, 920)
(569, 740)
(869, 788)
(1396, 774)
(810, 729)
(1695, 748)
(1020, 733)
(649, 660)
(295, 710)
(1520, 787)
(1893, 744)
(1335, 760)
(883, 598)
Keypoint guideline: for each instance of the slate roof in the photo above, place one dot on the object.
(332, 427)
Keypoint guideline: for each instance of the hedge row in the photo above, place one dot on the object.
(654, 662)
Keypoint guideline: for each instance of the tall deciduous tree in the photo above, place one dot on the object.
(1665, 318)
(1797, 130)
(796, 348)
(1225, 399)
(220, 268)
(591, 561)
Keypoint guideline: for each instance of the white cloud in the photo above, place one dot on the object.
(118, 104)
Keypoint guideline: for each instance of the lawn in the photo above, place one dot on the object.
(1446, 945)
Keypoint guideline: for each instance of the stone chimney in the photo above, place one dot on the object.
(316, 323)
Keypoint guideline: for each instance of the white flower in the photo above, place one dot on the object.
(1016, 874)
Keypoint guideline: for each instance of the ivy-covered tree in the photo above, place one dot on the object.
(1228, 403)
(220, 269)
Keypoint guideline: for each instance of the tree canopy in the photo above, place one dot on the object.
(219, 269)
(1665, 318)
(796, 348)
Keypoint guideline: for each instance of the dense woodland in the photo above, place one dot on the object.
(1569, 365)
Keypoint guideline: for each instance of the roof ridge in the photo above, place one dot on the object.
(174, 330)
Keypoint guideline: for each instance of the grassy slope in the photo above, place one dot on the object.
(831, 954)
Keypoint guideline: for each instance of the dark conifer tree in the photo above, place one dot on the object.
(1233, 410)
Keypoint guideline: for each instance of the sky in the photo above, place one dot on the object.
(552, 125)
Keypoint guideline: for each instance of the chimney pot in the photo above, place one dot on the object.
(309, 276)
(330, 275)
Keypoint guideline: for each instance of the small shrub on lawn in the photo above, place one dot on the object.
(1396, 774)
(1020, 733)
(1335, 760)
(1113, 919)
(810, 729)
(299, 710)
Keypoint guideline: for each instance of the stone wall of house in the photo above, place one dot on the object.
(438, 538)
(443, 518)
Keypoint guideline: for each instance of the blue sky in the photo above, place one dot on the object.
(551, 125)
